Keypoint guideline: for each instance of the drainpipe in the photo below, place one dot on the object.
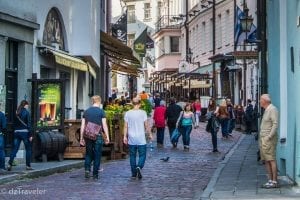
(214, 86)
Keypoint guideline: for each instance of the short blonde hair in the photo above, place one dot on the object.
(96, 99)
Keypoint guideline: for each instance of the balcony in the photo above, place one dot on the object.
(168, 22)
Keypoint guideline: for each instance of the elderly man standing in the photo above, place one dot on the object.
(268, 139)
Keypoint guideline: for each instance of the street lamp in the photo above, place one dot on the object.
(246, 23)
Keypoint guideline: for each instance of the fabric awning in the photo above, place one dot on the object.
(115, 49)
(92, 71)
(119, 68)
(69, 61)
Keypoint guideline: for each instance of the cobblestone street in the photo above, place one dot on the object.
(184, 176)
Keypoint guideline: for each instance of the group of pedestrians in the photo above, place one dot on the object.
(182, 119)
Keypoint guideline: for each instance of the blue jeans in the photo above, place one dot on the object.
(231, 125)
(160, 135)
(142, 150)
(214, 140)
(18, 137)
(2, 153)
(93, 152)
(186, 131)
(224, 126)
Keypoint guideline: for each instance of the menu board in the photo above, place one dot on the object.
(49, 105)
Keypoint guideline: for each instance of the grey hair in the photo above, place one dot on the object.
(162, 103)
(266, 97)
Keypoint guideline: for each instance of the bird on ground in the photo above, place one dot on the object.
(166, 159)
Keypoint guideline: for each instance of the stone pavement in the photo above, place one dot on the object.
(240, 176)
(184, 176)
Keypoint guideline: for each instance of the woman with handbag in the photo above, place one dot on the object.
(91, 136)
(213, 124)
(186, 122)
(22, 133)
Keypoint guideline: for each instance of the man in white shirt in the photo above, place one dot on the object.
(134, 135)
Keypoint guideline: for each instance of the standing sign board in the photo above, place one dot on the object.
(48, 102)
(49, 105)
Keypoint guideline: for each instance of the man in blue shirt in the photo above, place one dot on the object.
(2, 129)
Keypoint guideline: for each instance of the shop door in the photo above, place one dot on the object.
(11, 81)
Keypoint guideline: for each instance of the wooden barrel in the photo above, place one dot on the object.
(51, 143)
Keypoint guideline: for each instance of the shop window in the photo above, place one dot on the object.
(91, 85)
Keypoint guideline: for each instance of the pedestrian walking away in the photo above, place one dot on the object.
(172, 114)
(22, 133)
(197, 111)
(213, 124)
(231, 122)
(2, 131)
(134, 135)
(185, 124)
(96, 116)
(249, 117)
(159, 118)
(268, 139)
(223, 116)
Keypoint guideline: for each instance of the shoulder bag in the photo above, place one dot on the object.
(91, 130)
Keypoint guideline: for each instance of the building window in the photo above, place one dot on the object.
(202, 38)
(161, 47)
(130, 39)
(219, 31)
(228, 32)
(210, 47)
(131, 14)
(147, 11)
(11, 55)
(159, 9)
(174, 42)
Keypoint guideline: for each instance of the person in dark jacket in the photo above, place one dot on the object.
(172, 114)
(2, 130)
(249, 117)
(22, 133)
(213, 124)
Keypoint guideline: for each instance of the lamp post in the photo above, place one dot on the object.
(246, 22)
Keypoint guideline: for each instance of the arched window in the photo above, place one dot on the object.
(53, 30)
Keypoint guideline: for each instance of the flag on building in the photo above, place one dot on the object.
(149, 42)
(119, 29)
(139, 44)
(239, 34)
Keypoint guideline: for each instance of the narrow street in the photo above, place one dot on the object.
(184, 176)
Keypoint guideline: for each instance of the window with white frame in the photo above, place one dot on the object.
(219, 32)
(147, 11)
(174, 44)
(130, 39)
(159, 9)
(210, 43)
(228, 31)
(202, 38)
(161, 47)
(131, 14)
